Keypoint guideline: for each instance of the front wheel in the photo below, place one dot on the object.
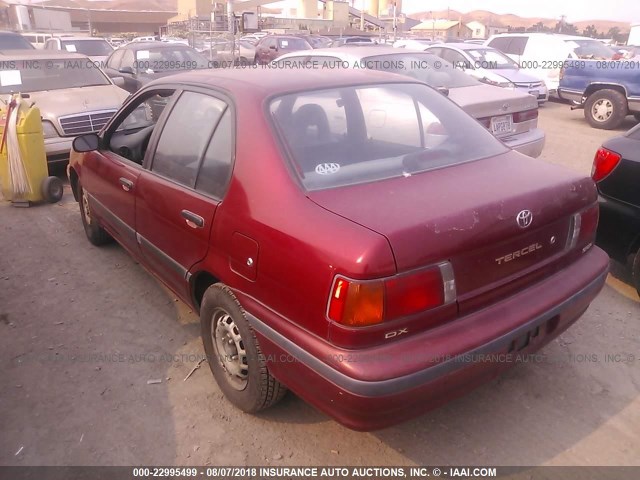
(606, 109)
(234, 354)
(95, 233)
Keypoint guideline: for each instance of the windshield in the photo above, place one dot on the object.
(168, 59)
(92, 48)
(425, 67)
(492, 59)
(41, 75)
(591, 49)
(358, 134)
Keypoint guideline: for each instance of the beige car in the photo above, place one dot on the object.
(74, 96)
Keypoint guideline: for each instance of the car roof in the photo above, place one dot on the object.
(561, 36)
(9, 55)
(265, 81)
(463, 46)
(75, 37)
(155, 44)
(350, 52)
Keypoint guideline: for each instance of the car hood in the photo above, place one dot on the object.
(481, 101)
(57, 103)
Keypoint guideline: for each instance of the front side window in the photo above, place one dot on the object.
(129, 136)
(366, 133)
(185, 136)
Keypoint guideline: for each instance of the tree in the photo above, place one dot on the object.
(590, 31)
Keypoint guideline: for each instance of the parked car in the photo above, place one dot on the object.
(490, 66)
(543, 54)
(607, 91)
(342, 41)
(141, 62)
(616, 170)
(318, 41)
(365, 175)
(37, 39)
(96, 48)
(510, 115)
(231, 53)
(73, 97)
(414, 43)
(14, 41)
(273, 46)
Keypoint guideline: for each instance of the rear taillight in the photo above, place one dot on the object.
(604, 163)
(525, 116)
(583, 226)
(486, 121)
(358, 303)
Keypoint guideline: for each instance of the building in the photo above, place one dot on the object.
(48, 17)
(481, 30)
(442, 29)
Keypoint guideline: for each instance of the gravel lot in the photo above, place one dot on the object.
(83, 329)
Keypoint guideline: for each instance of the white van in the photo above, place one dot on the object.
(543, 54)
(37, 39)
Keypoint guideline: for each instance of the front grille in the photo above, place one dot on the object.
(529, 85)
(82, 123)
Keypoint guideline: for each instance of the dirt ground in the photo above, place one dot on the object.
(83, 330)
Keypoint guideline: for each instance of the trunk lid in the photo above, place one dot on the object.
(467, 214)
(495, 107)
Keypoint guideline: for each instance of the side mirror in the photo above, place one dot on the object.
(443, 90)
(127, 70)
(118, 81)
(86, 143)
(273, 47)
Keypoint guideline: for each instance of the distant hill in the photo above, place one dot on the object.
(515, 21)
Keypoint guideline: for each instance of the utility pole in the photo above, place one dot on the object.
(230, 17)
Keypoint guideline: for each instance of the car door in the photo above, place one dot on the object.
(110, 175)
(181, 186)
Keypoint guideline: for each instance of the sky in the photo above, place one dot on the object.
(575, 10)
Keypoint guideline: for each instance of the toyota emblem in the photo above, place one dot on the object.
(524, 218)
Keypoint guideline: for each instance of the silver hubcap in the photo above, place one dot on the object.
(602, 110)
(85, 207)
(230, 350)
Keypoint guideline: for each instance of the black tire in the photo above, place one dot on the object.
(635, 272)
(52, 189)
(245, 380)
(606, 109)
(95, 233)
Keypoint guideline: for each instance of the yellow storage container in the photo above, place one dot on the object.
(33, 157)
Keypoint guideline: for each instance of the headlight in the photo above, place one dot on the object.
(48, 129)
(502, 83)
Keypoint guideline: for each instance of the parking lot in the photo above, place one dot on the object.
(84, 330)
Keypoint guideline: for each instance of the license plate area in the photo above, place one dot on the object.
(502, 125)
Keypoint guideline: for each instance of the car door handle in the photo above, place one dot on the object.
(193, 220)
(127, 185)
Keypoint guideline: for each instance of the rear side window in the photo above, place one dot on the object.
(215, 172)
(510, 45)
(385, 131)
(185, 136)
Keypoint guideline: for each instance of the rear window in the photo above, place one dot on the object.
(510, 45)
(293, 44)
(14, 42)
(360, 134)
(92, 48)
(591, 49)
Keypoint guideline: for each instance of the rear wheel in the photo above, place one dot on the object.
(606, 109)
(95, 233)
(234, 354)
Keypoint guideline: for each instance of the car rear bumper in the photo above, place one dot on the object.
(529, 143)
(384, 385)
(618, 227)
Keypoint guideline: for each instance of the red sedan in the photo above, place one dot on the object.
(354, 237)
